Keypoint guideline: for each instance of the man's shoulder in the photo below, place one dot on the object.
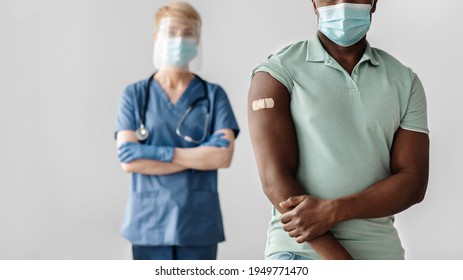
(389, 61)
(283, 63)
(294, 50)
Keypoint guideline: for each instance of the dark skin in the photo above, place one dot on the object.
(275, 147)
(347, 57)
(307, 218)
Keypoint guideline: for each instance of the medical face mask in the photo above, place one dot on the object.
(345, 24)
(177, 51)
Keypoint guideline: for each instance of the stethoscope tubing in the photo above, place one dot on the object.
(143, 134)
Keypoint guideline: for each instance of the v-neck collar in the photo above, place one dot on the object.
(183, 97)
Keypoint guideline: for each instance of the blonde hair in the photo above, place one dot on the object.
(176, 9)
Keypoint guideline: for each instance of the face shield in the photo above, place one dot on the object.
(177, 44)
(322, 3)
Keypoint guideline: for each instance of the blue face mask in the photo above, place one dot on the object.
(345, 24)
(180, 51)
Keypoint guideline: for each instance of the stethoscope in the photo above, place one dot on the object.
(142, 133)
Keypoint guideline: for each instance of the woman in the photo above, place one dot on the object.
(174, 130)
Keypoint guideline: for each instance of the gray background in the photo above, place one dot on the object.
(64, 64)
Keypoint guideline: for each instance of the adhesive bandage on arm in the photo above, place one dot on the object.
(265, 103)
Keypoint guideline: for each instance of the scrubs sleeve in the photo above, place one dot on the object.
(415, 117)
(126, 119)
(223, 117)
(274, 67)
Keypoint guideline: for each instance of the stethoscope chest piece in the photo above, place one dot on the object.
(142, 133)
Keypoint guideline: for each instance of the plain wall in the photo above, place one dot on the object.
(64, 64)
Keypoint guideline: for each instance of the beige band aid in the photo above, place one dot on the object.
(266, 103)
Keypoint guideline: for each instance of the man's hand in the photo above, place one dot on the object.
(308, 218)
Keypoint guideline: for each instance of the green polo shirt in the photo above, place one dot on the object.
(345, 127)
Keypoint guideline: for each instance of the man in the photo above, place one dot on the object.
(339, 131)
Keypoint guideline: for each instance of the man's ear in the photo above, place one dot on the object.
(373, 9)
(314, 3)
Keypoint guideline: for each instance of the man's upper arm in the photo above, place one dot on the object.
(415, 117)
(410, 149)
(410, 154)
(272, 129)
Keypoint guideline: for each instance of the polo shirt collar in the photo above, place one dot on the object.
(369, 55)
(316, 52)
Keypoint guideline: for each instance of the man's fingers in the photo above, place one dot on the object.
(286, 217)
(294, 234)
(289, 227)
(301, 239)
(291, 202)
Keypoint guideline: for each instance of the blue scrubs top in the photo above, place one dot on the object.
(183, 208)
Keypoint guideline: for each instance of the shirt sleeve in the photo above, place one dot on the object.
(223, 117)
(415, 117)
(126, 119)
(274, 67)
